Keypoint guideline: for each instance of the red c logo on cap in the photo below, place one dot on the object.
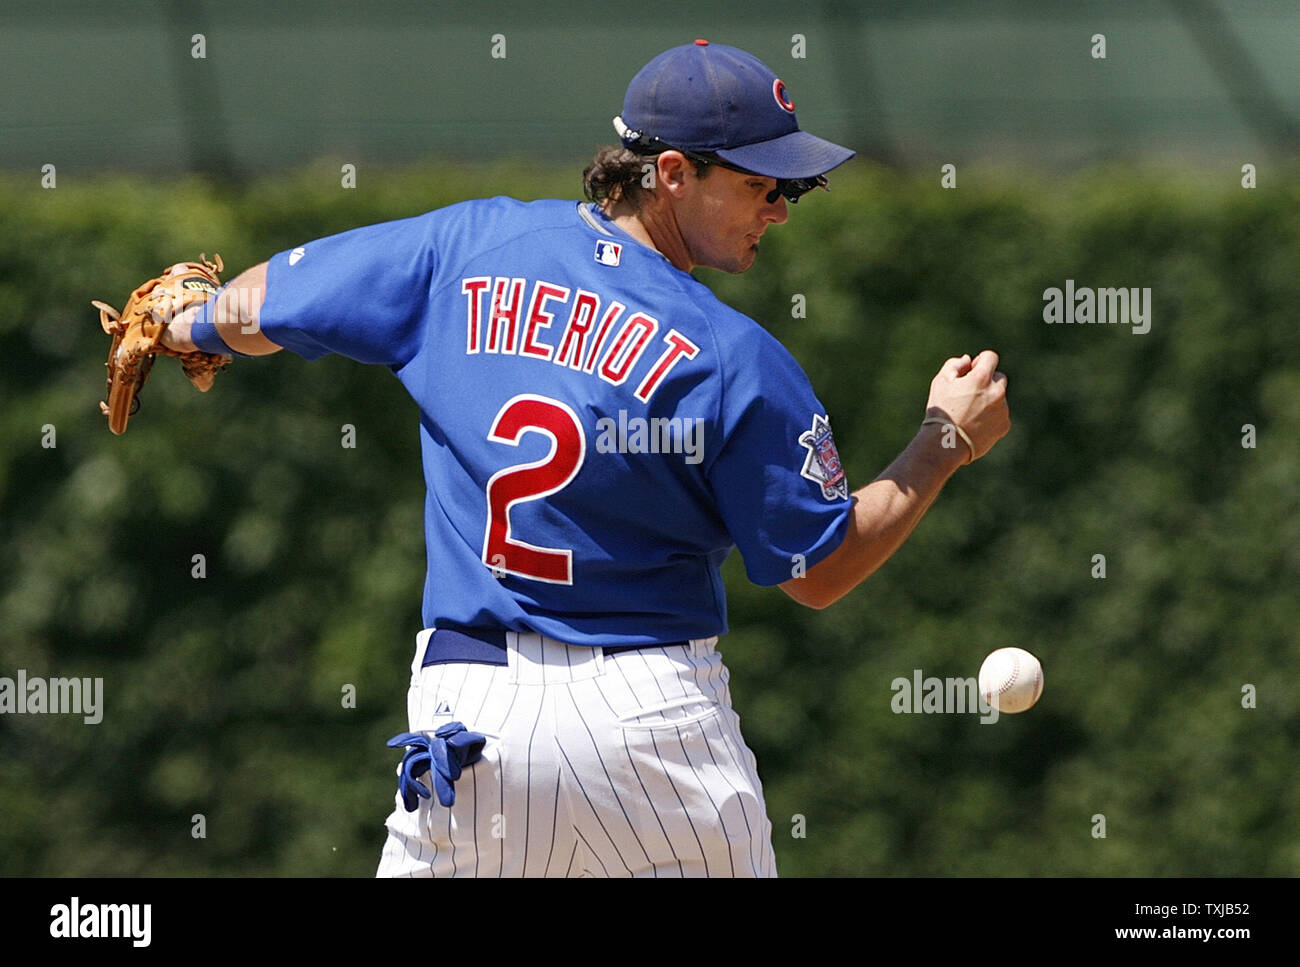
(782, 97)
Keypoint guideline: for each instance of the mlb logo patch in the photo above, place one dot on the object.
(608, 253)
(822, 463)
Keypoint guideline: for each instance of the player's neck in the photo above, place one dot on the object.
(652, 224)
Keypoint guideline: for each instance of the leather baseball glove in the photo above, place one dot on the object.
(137, 335)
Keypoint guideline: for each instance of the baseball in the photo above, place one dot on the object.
(1011, 679)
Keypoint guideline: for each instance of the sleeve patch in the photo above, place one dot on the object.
(822, 463)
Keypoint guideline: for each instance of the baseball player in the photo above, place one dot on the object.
(598, 433)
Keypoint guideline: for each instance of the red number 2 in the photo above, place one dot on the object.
(502, 551)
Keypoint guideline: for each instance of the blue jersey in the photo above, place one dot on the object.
(598, 431)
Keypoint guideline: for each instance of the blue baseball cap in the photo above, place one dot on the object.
(723, 101)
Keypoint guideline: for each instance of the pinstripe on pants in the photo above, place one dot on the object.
(630, 764)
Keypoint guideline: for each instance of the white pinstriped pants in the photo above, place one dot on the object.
(630, 764)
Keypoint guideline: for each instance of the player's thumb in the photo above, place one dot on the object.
(956, 366)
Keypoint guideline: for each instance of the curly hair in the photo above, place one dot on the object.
(618, 173)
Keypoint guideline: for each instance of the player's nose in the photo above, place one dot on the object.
(776, 212)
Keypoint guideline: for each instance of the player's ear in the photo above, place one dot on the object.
(671, 168)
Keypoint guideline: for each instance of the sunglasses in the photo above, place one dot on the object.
(792, 188)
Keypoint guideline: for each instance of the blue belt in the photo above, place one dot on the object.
(487, 646)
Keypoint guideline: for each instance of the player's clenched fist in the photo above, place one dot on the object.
(971, 395)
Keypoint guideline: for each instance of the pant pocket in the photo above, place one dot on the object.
(675, 713)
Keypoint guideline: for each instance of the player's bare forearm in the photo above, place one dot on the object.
(966, 394)
(237, 317)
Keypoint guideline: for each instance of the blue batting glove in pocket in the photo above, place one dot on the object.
(444, 754)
